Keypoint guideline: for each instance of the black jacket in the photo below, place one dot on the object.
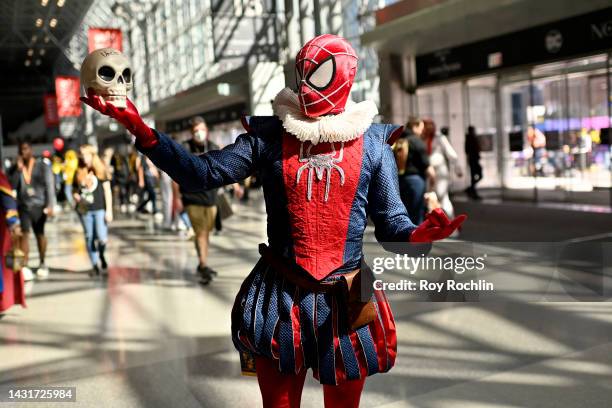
(206, 198)
(418, 159)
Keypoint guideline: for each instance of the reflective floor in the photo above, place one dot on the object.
(150, 336)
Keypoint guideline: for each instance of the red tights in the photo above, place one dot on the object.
(285, 390)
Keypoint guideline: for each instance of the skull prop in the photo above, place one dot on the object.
(107, 71)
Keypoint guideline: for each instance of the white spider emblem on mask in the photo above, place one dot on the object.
(321, 164)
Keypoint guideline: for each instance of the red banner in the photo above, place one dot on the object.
(50, 105)
(104, 38)
(67, 93)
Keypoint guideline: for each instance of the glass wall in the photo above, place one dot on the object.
(543, 132)
(553, 122)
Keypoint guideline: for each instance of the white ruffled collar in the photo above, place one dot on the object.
(345, 126)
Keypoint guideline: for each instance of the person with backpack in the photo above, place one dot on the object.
(413, 169)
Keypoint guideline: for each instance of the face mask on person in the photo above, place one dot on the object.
(200, 136)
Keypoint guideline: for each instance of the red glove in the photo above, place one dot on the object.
(436, 226)
(128, 117)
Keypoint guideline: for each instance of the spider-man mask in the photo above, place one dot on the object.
(325, 70)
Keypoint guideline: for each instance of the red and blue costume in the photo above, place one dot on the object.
(11, 283)
(325, 168)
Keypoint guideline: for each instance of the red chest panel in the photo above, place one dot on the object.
(320, 183)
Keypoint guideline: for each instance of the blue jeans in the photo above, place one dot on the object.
(185, 218)
(68, 193)
(96, 234)
(412, 191)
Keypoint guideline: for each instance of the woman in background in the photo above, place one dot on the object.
(442, 157)
(93, 195)
(11, 282)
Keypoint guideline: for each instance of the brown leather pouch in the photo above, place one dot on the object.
(360, 308)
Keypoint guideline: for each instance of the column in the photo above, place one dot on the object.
(266, 80)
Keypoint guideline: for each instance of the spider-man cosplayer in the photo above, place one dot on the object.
(325, 168)
(11, 283)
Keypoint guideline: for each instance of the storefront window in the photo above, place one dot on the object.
(553, 123)
(515, 100)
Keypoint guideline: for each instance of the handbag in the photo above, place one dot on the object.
(81, 207)
(14, 259)
(224, 207)
(358, 289)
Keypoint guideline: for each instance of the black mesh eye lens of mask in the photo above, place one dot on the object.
(127, 75)
(323, 75)
(298, 77)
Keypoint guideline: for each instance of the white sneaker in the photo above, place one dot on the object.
(42, 272)
(27, 274)
(28, 287)
(190, 234)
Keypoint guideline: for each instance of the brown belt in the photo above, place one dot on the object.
(349, 286)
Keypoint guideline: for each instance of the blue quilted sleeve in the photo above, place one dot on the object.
(386, 209)
(210, 170)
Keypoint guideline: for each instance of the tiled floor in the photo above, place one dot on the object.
(150, 336)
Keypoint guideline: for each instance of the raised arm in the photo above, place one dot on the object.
(212, 169)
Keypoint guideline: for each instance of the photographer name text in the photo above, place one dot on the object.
(425, 285)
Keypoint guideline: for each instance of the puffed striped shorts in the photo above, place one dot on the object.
(300, 329)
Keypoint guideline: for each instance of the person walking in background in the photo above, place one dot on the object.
(133, 189)
(71, 163)
(180, 215)
(36, 199)
(442, 157)
(121, 175)
(413, 169)
(201, 205)
(57, 168)
(472, 151)
(148, 175)
(93, 195)
(12, 290)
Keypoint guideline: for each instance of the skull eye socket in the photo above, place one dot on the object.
(127, 75)
(106, 73)
(323, 75)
